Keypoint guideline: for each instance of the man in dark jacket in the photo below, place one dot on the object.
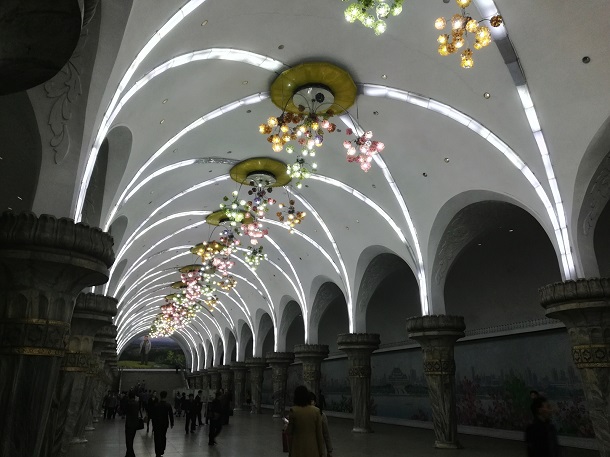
(215, 411)
(162, 416)
(199, 406)
(131, 423)
(150, 404)
(190, 413)
(541, 435)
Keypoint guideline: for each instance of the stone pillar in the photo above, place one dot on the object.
(205, 380)
(584, 307)
(311, 355)
(256, 365)
(226, 377)
(104, 339)
(279, 363)
(75, 384)
(437, 336)
(214, 379)
(44, 264)
(358, 347)
(239, 382)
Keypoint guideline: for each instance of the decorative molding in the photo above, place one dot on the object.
(598, 194)
(591, 355)
(65, 88)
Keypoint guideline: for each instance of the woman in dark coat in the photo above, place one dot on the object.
(131, 423)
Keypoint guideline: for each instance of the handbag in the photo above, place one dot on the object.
(140, 425)
(285, 447)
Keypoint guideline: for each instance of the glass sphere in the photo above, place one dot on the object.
(463, 3)
(440, 23)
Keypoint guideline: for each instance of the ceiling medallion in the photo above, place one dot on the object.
(310, 95)
(363, 10)
(461, 26)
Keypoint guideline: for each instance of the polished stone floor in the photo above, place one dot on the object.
(254, 436)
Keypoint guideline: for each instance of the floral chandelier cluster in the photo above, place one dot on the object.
(307, 129)
(362, 149)
(461, 26)
(289, 215)
(176, 313)
(363, 11)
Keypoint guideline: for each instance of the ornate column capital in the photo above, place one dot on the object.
(358, 342)
(256, 362)
(584, 307)
(238, 368)
(311, 352)
(279, 358)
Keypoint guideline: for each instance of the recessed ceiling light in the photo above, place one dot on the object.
(486, 95)
(19, 197)
(281, 46)
(586, 59)
(229, 152)
(10, 209)
(480, 244)
(204, 23)
(152, 192)
(210, 171)
(511, 230)
(357, 221)
(164, 101)
(384, 76)
(424, 174)
(161, 121)
(446, 159)
(373, 186)
(376, 113)
(244, 82)
(249, 111)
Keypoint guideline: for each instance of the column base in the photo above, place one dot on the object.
(443, 445)
(362, 430)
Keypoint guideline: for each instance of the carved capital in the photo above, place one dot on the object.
(33, 337)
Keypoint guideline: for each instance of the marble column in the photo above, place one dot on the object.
(75, 384)
(239, 382)
(44, 264)
(437, 336)
(279, 363)
(584, 307)
(257, 366)
(226, 377)
(311, 355)
(358, 347)
(205, 380)
(104, 339)
(214, 378)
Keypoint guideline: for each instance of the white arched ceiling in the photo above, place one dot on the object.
(178, 170)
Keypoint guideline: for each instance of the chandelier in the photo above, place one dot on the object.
(362, 149)
(289, 216)
(462, 25)
(363, 11)
(254, 256)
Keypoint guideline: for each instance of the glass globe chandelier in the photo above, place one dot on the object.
(254, 256)
(363, 11)
(227, 283)
(362, 149)
(289, 216)
(211, 302)
(461, 26)
(300, 170)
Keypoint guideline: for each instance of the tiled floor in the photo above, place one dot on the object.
(260, 436)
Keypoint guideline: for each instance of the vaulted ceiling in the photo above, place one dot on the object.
(189, 87)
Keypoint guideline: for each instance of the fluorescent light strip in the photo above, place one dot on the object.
(139, 260)
(425, 102)
(134, 238)
(157, 287)
(346, 283)
(417, 255)
(296, 276)
(197, 123)
(137, 283)
(249, 317)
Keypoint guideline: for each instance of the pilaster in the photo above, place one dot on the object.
(239, 382)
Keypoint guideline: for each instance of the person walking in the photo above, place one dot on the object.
(225, 404)
(178, 404)
(541, 435)
(325, 433)
(190, 413)
(131, 423)
(304, 427)
(162, 417)
(106, 405)
(215, 416)
(150, 404)
(199, 406)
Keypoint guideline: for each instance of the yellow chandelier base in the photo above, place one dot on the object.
(338, 81)
(241, 173)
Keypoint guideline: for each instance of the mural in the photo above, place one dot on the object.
(164, 353)
(494, 378)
